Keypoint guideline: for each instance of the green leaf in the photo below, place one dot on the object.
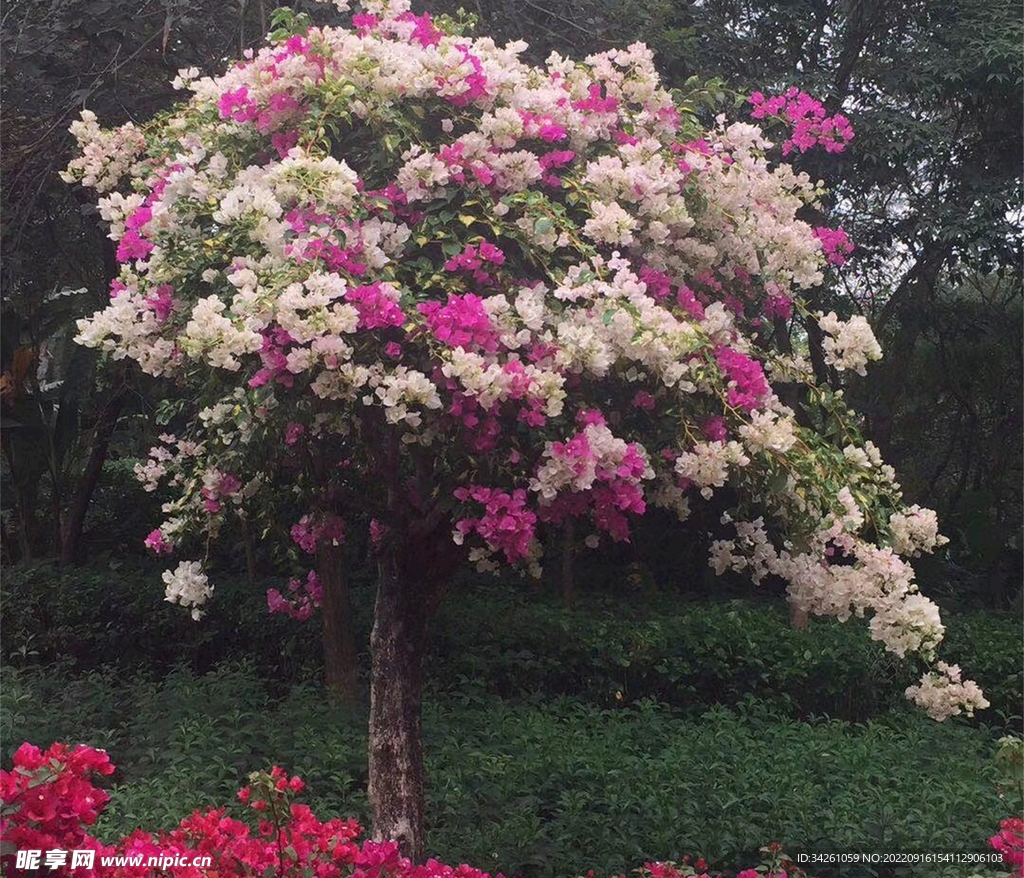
(543, 225)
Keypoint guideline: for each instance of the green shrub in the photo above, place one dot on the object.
(510, 642)
(115, 614)
(545, 789)
(693, 655)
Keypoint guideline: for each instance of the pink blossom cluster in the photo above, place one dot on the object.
(596, 472)
(303, 597)
(132, 244)
(542, 126)
(461, 322)
(1009, 841)
(273, 353)
(377, 305)
(506, 525)
(218, 486)
(272, 112)
(157, 543)
(314, 529)
(335, 257)
(835, 243)
(811, 124)
(747, 385)
(474, 260)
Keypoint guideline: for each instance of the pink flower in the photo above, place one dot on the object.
(378, 532)
(714, 429)
(811, 125)
(161, 302)
(749, 386)
(778, 306)
(132, 246)
(461, 322)
(157, 543)
(835, 244)
(304, 597)
(237, 105)
(506, 524)
(292, 433)
(376, 309)
(643, 400)
(426, 33)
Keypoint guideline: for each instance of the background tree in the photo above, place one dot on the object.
(59, 414)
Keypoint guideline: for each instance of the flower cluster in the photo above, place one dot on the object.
(303, 597)
(549, 286)
(942, 693)
(1009, 841)
(313, 530)
(593, 471)
(188, 585)
(835, 243)
(48, 797)
(812, 126)
(851, 344)
(506, 525)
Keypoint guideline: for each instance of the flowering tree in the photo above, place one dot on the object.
(404, 273)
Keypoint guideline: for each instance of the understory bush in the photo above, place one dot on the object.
(542, 789)
(690, 655)
(694, 655)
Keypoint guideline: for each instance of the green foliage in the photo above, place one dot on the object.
(537, 790)
(502, 640)
(693, 655)
(956, 423)
(114, 614)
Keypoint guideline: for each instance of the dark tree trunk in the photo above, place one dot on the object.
(341, 670)
(396, 748)
(568, 563)
(415, 562)
(71, 529)
(250, 555)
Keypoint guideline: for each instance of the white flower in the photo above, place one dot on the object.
(766, 432)
(915, 530)
(852, 343)
(943, 694)
(707, 466)
(187, 585)
(610, 224)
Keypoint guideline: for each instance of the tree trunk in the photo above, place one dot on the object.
(415, 562)
(71, 530)
(396, 747)
(341, 669)
(568, 563)
(798, 618)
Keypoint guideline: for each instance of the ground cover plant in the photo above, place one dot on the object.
(610, 795)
